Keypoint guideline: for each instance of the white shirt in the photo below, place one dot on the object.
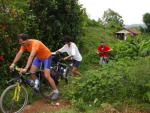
(72, 50)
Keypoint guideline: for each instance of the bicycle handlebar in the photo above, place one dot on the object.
(54, 53)
(60, 59)
(103, 52)
(19, 69)
(69, 59)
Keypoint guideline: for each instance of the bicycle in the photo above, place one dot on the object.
(104, 59)
(56, 57)
(15, 97)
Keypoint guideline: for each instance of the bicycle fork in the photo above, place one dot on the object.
(17, 92)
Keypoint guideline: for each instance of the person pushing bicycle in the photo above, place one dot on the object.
(102, 50)
(73, 52)
(41, 53)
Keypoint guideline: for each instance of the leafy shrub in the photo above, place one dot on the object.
(124, 81)
(11, 24)
(54, 19)
(46, 20)
(132, 48)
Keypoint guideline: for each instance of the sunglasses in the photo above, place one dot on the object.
(22, 43)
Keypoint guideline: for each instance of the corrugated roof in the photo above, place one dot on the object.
(133, 30)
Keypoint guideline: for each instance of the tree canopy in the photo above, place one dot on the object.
(112, 16)
(146, 20)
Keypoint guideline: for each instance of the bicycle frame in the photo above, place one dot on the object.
(19, 79)
(58, 64)
(17, 92)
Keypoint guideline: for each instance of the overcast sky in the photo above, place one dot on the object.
(132, 11)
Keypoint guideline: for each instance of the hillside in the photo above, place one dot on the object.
(94, 35)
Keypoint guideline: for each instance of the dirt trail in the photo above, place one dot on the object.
(45, 105)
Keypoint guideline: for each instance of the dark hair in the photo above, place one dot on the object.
(23, 36)
(101, 42)
(67, 38)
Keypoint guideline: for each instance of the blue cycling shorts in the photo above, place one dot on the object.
(47, 62)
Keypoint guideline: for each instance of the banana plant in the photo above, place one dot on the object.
(132, 47)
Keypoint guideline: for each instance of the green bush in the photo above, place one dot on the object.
(131, 47)
(46, 20)
(54, 19)
(123, 81)
(11, 24)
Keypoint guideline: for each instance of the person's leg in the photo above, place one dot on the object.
(74, 68)
(101, 61)
(105, 60)
(35, 64)
(49, 79)
(33, 77)
(33, 69)
(75, 72)
(47, 66)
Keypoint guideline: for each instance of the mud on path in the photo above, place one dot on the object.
(45, 105)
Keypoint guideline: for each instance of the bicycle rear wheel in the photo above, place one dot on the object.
(45, 88)
(10, 105)
(68, 75)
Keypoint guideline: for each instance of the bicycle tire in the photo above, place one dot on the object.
(45, 88)
(13, 106)
(55, 66)
(68, 75)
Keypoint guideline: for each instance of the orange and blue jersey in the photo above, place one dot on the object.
(42, 51)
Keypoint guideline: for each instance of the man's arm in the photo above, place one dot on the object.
(30, 58)
(97, 52)
(110, 49)
(18, 56)
(57, 51)
(16, 59)
(68, 57)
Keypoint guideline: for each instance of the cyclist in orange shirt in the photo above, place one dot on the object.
(42, 54)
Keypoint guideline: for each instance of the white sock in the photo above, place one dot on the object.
(56, 91)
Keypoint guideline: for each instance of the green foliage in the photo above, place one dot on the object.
(111, 16)
(140, 28)
(132, 48)
(54, 19)
(113, 25)
(11, 24)
(146, 20)
(45, 20)
(124, 81)
(93, 23)
(79, 104)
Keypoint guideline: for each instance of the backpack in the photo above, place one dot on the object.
(54, 75)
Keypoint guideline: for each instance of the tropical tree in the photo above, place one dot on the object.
(46, 20)
(131, 48)
(112, 16)
(54, 19)
(146, 20)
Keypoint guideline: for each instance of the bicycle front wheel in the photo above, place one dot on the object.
(45, 88)
(9, 103)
